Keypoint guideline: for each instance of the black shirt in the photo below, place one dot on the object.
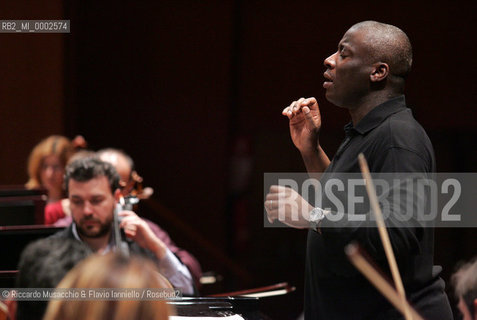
(392, 141)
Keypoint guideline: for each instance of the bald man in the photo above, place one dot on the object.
(366, 76)
(123, 164)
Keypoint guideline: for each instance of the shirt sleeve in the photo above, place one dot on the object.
(184, 256)
(177, 273)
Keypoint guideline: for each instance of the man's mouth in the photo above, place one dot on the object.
(328, 80)
(90, 222)
(327, 77)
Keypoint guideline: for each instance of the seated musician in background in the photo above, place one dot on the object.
(124, 165)
(46, 168)
(465, 286)
(93, 190)
(111, 271)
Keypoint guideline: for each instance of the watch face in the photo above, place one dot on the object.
(316, 214)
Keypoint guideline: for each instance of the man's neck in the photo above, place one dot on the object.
(368, 103)
(97, 244)
(55, 195)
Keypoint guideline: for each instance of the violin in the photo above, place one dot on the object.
(133, 191)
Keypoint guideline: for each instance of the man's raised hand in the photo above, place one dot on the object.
(305, 123)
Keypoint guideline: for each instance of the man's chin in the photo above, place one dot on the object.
(329, 96)
(92, 232)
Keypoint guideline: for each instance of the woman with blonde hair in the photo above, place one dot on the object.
(111, 271)
(46, 168)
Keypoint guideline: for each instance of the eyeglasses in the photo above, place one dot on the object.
(54, 167)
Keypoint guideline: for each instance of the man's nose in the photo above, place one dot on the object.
(88, 208)
(329, 62)
(49, 171)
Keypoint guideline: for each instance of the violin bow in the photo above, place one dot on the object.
(383, 233)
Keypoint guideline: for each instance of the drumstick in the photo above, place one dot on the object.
(353, 252)
(383, 233)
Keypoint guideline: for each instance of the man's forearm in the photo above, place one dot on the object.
(316, 161)
(177, 273)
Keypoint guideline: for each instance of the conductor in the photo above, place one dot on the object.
(366, 75)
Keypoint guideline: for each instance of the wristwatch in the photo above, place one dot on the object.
(316, 215)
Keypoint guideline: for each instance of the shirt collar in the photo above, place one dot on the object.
(77, 237)
(75, 232)
(378, 115)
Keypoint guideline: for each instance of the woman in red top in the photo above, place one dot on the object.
(46, 168)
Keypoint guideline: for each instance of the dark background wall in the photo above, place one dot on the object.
(193, 90)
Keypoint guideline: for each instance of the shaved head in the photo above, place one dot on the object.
(123, 164)
(387, 44)
(371, 63)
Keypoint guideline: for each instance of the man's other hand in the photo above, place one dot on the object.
(288, 206)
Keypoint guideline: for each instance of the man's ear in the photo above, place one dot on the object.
(380, 72)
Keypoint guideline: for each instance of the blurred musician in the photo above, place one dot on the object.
(46, 168)
(465, 286)
(93, 190)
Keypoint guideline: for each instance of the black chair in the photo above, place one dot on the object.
(20, 206)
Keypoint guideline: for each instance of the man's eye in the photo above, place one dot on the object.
(77, 202)
(96, 201)
(343, 52)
